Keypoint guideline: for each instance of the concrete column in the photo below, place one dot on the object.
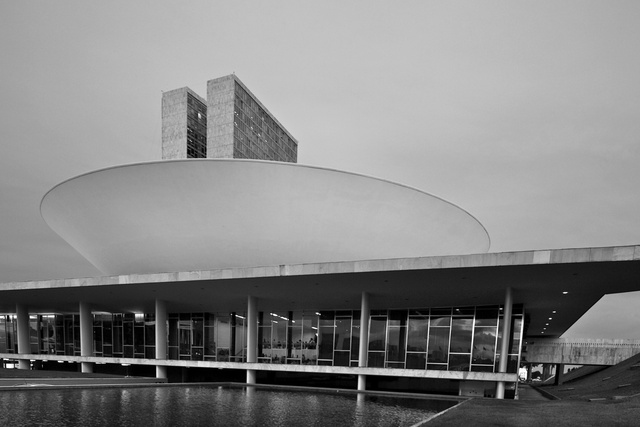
(86, 335)
(161, 337)
(252, 337)
(559, 373)
(546, 371)
(24, 344)
(364, 340)
(506, 337)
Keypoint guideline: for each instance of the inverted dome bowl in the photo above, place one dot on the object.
(183, 215)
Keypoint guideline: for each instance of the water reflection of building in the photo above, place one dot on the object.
(282, 273)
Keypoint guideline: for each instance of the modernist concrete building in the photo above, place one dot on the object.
(239, 125)
(274, 272)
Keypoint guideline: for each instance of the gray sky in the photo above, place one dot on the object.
(525, 113)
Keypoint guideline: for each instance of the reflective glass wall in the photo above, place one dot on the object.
(451, 338)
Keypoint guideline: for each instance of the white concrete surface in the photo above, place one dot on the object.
(207, 214)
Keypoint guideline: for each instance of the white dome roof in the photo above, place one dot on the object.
(205, 214)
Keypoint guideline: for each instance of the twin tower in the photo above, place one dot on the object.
(230, 123)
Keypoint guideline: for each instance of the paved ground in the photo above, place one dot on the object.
(526, 392)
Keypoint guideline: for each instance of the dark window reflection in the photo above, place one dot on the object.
(418, 329)
(461, 330)
(438, 345)
(459, 362)
(484, 342)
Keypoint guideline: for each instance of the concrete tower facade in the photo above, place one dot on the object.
(231, 123)
(184, 125)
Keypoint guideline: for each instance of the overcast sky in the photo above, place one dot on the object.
(526, 114)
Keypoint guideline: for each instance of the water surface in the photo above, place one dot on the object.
(207, 406)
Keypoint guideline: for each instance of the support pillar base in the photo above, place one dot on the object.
(251, 376)
(161, 372)
(362, 382)
(500, 390)
(87, 367)
(24, 364)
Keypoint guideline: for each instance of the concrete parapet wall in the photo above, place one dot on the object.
(341, 370)
(580, 352)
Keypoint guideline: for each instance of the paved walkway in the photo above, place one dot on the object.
(527, 393)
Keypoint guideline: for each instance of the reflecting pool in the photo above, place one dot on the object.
(208, 406)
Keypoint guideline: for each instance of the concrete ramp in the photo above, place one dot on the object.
(602, 352)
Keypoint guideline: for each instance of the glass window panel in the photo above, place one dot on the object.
(514, 342)
(466, 311)
(397, 317)
(459, 362)
(377, 333)
(197, 353)
(209, 341)
(198, 332)
(240, 338)
(416, 360)
(150, 333)
(150, 352)
(264, 335)
(128, 351)
(173, 353)
(375, 359)
(173, 332)
(481, 368)
(325, 343)
(279, 333)
(209, 319)
(3, 335)
(184, 337)
(223, 332)
(396, 344)
(423, 312)
(484, 342)
(461, 330)
(97, 339)
(439, 312)
(436, 367)
(326, 318)
(309, 330)
(438, 350)
(355, 338)
(440, 320)
(341, 358)
(117, 339)
(107, 332)
(512, 364)
(295, 336)
(343, 334)
(516, 326)
(395, 365)
(139, 339)
(128, 333)
(486, 316)
(418, 330)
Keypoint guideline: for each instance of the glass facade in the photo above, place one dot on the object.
(196, 128)
(452, 338)
(256, 134)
